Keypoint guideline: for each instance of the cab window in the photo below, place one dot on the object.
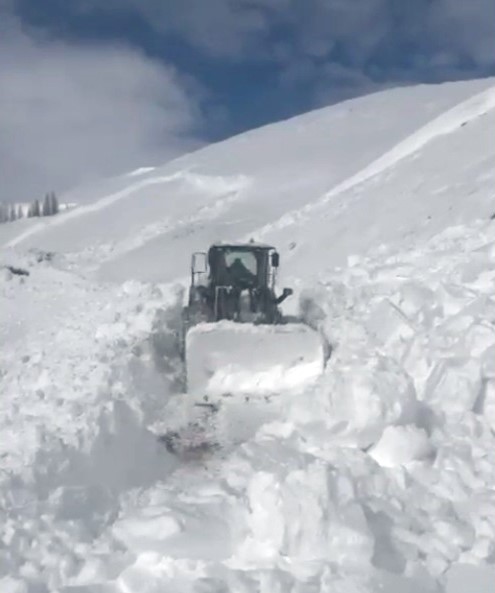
(247, 258)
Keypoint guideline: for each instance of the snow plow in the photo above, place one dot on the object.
(237, 345)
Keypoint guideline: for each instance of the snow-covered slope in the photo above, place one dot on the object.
(378, 479)
(350, 169)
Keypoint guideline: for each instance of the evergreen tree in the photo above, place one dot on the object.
(12, 213)
(46, 209)
(3, 213)
(20, 213)
(55, 207)
(50, 204)
(54, 203)
(36, 208)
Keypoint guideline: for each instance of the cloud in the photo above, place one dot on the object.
(71, 112)
(320, 51)
(227, 29)
(352, 32)
(463, 29)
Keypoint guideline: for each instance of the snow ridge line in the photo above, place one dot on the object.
(98, 205)
(159, 228)
(202, 182)
(444, 124)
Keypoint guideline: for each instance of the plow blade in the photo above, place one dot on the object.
(226, 360)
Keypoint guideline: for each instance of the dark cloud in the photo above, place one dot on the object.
(355, 32)
(287, 56)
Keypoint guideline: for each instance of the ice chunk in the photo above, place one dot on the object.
(454, 385)
(354, 402)
(399, 445)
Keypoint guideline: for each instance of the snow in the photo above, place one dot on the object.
(145, 227)
(220, 359)
(399, 445)
(140, 171)
(378, 476)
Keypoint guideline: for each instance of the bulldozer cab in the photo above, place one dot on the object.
(239, 266)
(232, 273)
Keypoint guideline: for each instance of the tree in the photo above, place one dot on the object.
(50, 204)
(12, 213)
(36, 208)
(3, 213)
(53, 203)
(46, 209)
(20, 212)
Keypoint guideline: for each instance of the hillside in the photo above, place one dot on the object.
(422, 148)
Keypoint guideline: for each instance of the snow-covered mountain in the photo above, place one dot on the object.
(379, 478)
(349, 170)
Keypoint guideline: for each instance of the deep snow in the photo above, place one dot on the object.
(378, 478)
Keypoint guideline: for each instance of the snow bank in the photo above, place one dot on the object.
(74, 434)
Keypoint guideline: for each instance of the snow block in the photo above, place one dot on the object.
(300, 510)
(355, 401)
(400, 445)
(454, 385)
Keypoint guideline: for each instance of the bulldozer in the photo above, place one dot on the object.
(237, 345)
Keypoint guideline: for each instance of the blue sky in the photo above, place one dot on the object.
(147, 79)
